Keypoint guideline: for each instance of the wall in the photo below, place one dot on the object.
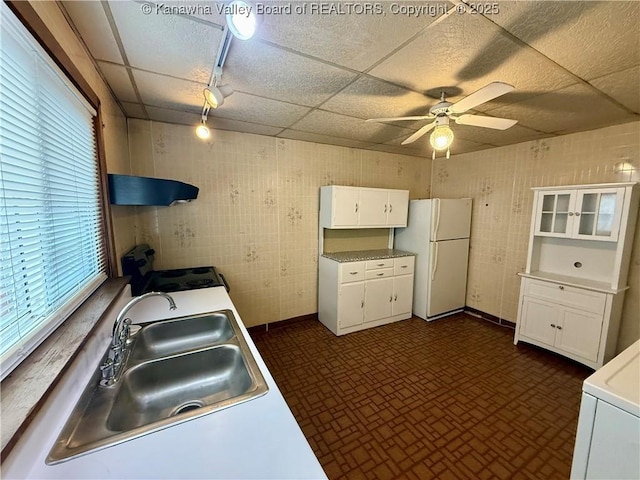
(499, 181)
(114, 121)
(256, 216)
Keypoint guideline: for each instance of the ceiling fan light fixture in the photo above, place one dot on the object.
(441, 137)
(213, 96)
(241, 20)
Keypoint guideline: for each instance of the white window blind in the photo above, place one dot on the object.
(51, 249)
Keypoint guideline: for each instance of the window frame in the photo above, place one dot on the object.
(90, 314)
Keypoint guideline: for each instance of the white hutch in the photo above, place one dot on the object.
(572, 291)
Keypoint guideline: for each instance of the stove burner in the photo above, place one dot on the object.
(201, 282)
(168, 287)
(173, 273)
(201, 270)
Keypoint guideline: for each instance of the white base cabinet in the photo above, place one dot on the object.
(353, 296)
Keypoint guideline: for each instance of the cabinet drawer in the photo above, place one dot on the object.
(381, 263)
(379, 273)
(351, 272)
(579, 298)
(403, 265)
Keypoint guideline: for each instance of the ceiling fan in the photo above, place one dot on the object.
(444, 111)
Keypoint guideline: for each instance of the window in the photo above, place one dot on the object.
(52, 254)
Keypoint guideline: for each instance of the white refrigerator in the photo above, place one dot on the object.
(438, 233)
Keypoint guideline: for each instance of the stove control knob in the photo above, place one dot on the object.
(141, 263)
(150, 252)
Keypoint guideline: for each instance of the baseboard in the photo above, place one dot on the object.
(489, 317)
(281, 323)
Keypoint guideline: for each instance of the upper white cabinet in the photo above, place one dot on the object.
(573, 289)
(591, 214)
(360, 207)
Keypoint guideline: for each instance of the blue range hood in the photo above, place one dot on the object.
(134, 190)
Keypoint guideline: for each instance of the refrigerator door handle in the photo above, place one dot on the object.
(436, 224)
(434, 260)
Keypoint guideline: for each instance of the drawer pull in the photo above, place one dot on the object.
(356, 208)
(362, 304)
(395, 297)
(380, 264)
(390, 208)
(571, 214)
(553, 325)
(561, 287)
(380, 274)
(385, 208)
(403, 266)
(390, 298)
(559, 327)
(353, 273)
(577, 214)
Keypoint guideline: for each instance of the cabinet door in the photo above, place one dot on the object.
(555, 213)
(598, 214)
(398, 201)
(378, 298)
(402, 294)
(540, 319)
(373, 208)
(579, 333)
(345, 206)
(351, 304)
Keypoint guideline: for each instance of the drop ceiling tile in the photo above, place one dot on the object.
(167, 115)
(467, 52)
(334, 125)
(317, 138)
(371, 98)
(267, 71)
(542, 112)
(168, 92)
(622, 86)
(119, 81)
(588, 38)
(133, 110)
(168, 44)
(515, 134)
(356, 41)
(245, 107)
(92, 24)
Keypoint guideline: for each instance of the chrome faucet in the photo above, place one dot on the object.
(121, 330)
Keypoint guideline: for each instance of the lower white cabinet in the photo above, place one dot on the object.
(356, 295)
(569, 320)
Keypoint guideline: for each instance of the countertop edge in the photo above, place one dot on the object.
(364, 255)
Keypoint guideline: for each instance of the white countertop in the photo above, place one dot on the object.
(618, 382)
(259, 439)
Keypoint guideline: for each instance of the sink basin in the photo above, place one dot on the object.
(160, 339)
(162, 388)
(178, 369)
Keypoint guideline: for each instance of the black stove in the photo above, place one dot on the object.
(138, 263)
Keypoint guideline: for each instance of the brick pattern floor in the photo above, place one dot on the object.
(452, 399)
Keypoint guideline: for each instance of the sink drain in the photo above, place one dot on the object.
(187, 407)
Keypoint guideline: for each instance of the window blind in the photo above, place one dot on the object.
(51, 249)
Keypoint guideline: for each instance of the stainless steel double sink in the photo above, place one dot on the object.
(177, 370)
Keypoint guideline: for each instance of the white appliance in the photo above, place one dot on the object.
(438, 233)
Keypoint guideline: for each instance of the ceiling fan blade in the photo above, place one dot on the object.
(395, 119)
(419, 133)
(488, 122)
(486, 93)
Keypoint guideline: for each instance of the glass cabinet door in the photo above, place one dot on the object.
(598, 213)
(555, 213)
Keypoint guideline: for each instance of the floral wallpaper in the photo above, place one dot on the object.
(256, 215)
